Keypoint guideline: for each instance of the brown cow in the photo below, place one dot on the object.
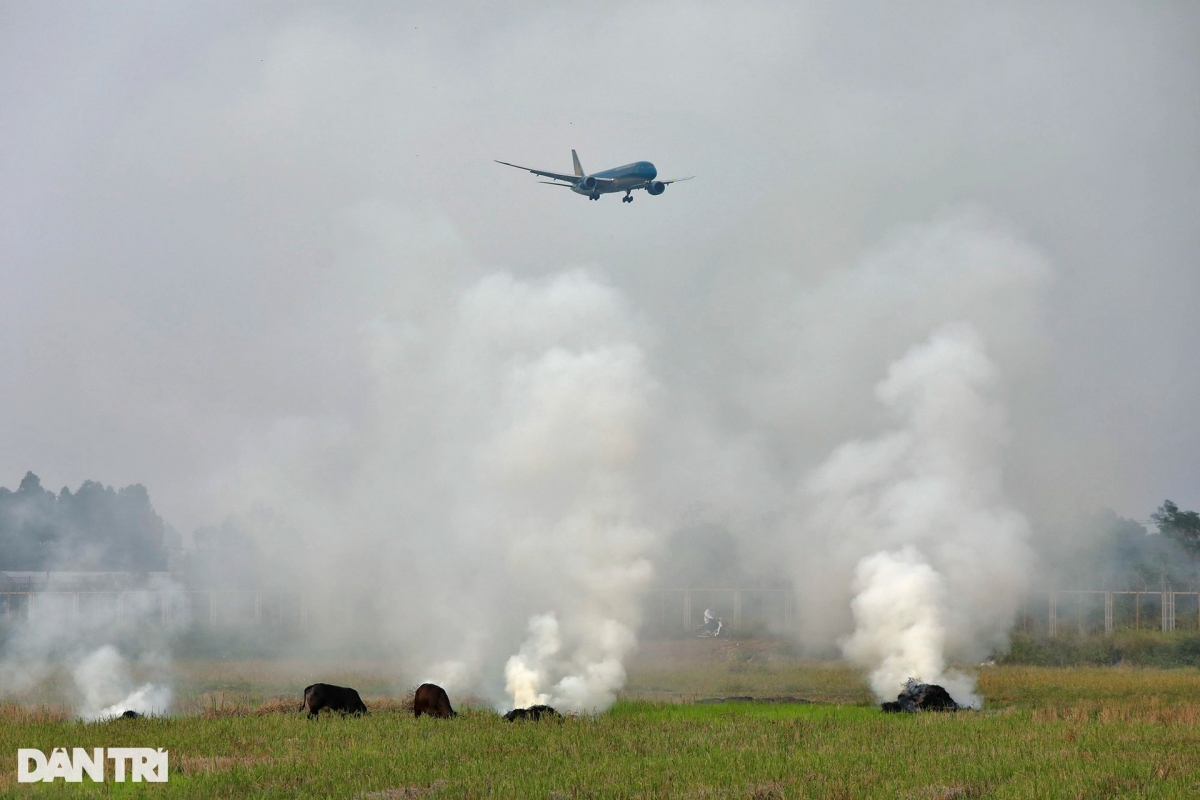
(335, 698)
(432, 699)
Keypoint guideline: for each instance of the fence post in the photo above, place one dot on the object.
(1053, 620)
(687, 609)
(1108, 620)
(737, 606)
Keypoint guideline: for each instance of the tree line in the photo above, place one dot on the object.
(101, 529)
(96, 528)
(1122, 554)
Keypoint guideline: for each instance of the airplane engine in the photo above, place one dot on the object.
(656, 187)
(588, 183)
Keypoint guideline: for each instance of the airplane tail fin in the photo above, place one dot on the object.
(578, 167)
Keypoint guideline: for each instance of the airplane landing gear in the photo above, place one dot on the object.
(627, 199)
(593, 197)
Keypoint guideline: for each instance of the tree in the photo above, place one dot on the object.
(97, 528)
(1181, 526)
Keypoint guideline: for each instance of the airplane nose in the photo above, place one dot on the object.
(651, 172)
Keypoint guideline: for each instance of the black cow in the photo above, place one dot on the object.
(335, 698)
(432, 699)
(533, 713)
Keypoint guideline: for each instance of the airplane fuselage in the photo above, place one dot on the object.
(618, 179)
(638, 175)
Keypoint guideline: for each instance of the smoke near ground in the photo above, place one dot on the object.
(116, 654)
(946, 560)
(494, 488)
(103, 682)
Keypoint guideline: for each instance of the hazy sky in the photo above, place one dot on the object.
(209, 208)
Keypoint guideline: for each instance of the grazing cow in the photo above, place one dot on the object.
(131, 714)
(335, 698)
(533, 713)
(432, 699)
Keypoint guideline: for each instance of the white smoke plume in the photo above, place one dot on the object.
(552, 480)
(106, 688)
(494, 484)
(525, 672)
(86, 636)
(588, 682)
(940, 553)
(558, 474)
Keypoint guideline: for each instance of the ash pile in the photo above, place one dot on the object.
(533, 713)
(919, 696)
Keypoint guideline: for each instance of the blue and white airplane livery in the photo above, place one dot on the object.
(638, 175)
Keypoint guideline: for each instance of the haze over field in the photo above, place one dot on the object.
(931, 295)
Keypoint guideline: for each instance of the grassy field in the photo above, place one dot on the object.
(1045, 732)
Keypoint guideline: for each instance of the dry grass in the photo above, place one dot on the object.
(17, 714)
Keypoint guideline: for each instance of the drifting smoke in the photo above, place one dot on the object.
(489, 519)
(88, 642)
(552, 479)
(558, 476)
(107, 691)
(941, 553)
(492, 493)
(497, 512)
(588, 683)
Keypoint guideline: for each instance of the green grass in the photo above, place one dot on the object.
(1085, 732)
(1135, 648)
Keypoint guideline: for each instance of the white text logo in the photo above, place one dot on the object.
(142, 763)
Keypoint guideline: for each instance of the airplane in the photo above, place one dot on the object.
(638, 175)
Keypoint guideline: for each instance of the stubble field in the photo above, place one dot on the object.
(698, 719)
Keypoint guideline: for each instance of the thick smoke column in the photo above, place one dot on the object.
(491, 493)
(940, 554)
(557, 478)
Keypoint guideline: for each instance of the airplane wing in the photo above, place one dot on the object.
(555, 175)
(646, 185)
